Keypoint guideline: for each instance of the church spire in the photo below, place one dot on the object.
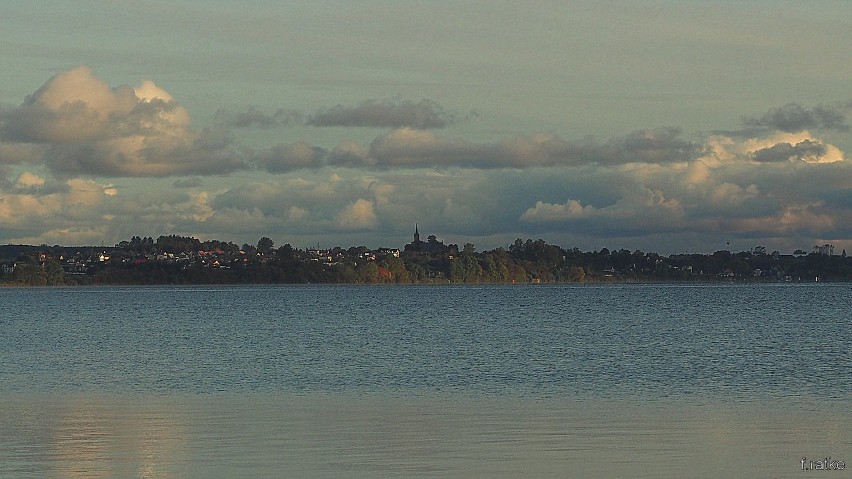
(416, 234)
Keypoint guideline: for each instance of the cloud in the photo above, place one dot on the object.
(406, 147)
(350, 154)
(736, 187)
(282, 158)
(412, 148)
(632, 190)
(793, 117)
(294, 213)
(544, 212)
(81, 126)
(731, 194)
(34, 207)
(253, 117)
(28, 180)
(768, 147)
(628, 205)
(640, 208)
(662, 145)
(359, 215)
(188, 183)
(313, 207)
(779, 146)
(422, 115)
(76, 124)
(806, 150)
(425, 114)
(16, 153)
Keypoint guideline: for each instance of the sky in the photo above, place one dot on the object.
(665, 126)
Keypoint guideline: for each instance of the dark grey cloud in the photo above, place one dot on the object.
(788, 152)
(663, 145)
(253, 117)
(287, 157)
(804, 183)
(16, 153)
(40, 188)
(793, 117)
(416, 149)
(425, 114)
(411, 148)
(193, 182)
(5, 171)
(208, 154)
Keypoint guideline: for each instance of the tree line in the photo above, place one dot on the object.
(175, 259)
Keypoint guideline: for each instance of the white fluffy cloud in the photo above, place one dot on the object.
(28, 180)
(359, 215)
(76, 124)
(542, 211)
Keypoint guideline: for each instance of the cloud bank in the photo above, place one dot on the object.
(423, 115)
(83, 162)
(253, 117)
(793, 117)
(410, 148)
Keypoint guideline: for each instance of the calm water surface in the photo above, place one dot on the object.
(463, 381)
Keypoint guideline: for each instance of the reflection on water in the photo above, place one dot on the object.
(89, 437)
(481, 381)
(334, 435)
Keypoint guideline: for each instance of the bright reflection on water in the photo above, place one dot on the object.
(336, 435)
(492, 381)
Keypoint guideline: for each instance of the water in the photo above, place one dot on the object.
(457, 381)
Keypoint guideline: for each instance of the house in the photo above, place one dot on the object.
(388, 251)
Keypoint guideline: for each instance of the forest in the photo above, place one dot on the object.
(178, 259)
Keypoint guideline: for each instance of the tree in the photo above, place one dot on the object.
(494, 267)
(264, 245)
(53, 273)
(286, 251)
(177, 244)
(575, 274)
(396, 267)
(32, 273)
(466, 269)
(517, 248)
(367, 273)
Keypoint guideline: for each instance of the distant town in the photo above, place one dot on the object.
(178, 259)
